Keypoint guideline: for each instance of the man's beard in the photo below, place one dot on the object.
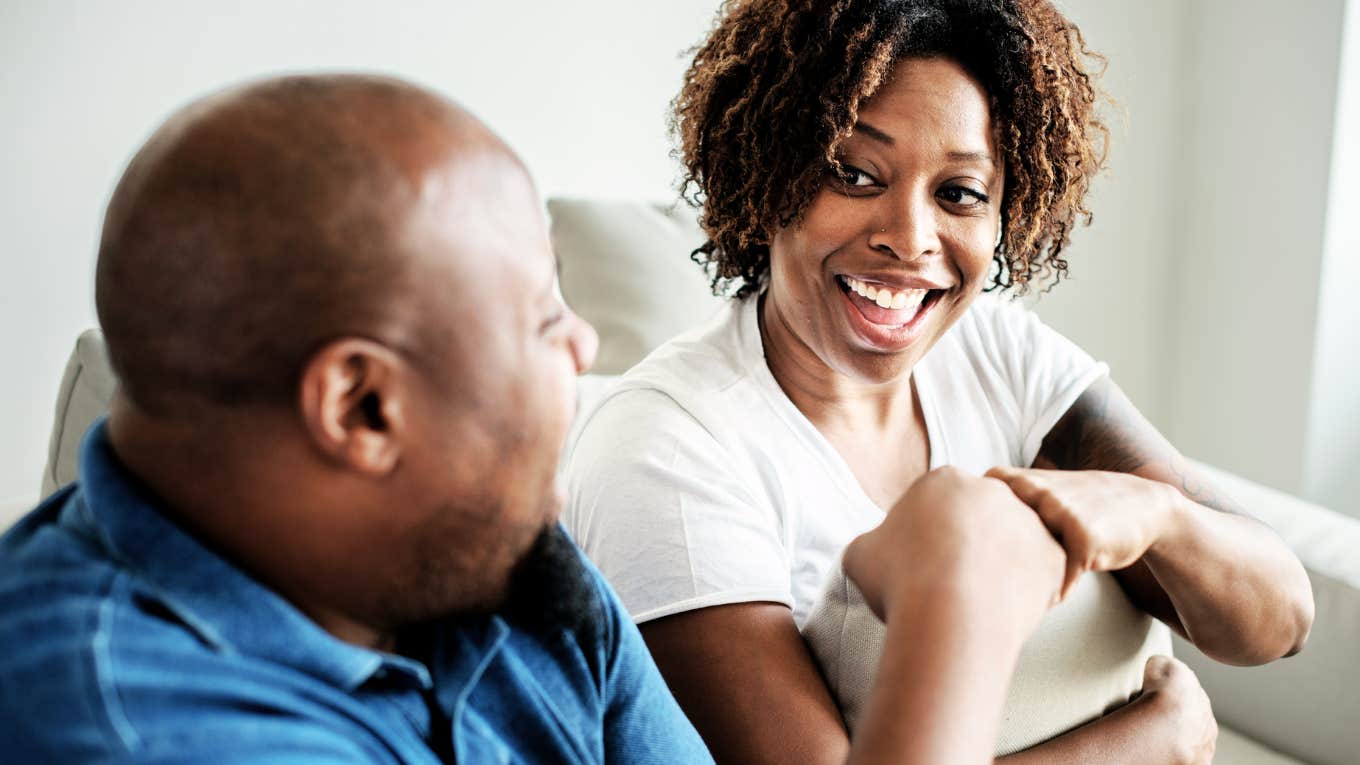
(550, 589)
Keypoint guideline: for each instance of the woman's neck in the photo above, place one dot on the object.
(829, 398)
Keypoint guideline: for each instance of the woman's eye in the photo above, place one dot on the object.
(853, 176)
(962, 195)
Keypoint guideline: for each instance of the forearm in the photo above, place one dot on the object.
(1135, 734)
(1219, 577)
(941, 682)
(1239, 593)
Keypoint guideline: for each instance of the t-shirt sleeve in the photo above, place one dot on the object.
(643, 723)
(1046, 371)
(665, 513)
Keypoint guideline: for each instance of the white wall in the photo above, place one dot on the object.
(1250, 192)
(1210, 217)
(1332, 466)
(580, 89)
(1116, 304)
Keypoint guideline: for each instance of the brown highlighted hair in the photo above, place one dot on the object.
(777, 85)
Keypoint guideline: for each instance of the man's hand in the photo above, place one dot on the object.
(1104, 521)
(964, 532)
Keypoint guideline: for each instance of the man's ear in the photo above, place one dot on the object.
(353, 401)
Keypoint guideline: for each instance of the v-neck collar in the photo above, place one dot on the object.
(752, 348)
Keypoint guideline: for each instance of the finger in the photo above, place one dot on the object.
(1074, 539)
(1059, 521)
(1021, 484)
(1074, 571)
(1005, 472)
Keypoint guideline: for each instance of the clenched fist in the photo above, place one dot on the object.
(966, 535)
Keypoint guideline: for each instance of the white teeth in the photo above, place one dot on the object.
(886, 298)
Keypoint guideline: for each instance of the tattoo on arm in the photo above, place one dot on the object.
(1095, 434)
(1197, 489)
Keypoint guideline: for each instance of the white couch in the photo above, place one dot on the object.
(624, 268)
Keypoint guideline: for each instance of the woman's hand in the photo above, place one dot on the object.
(1104, 521)
(1173, 690)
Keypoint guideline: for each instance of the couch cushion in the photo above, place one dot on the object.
(626, 269)
(86, 388)
(1236, 749)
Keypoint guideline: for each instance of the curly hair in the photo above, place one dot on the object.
(777, 85)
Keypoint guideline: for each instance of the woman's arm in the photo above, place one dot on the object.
(749, 684)
(746, 680)
(1190, 557)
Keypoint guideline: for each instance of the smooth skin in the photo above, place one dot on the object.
(920, 197)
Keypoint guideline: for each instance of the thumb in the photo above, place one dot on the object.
(1156, 672)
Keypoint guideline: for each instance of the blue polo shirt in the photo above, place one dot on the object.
(123, 638)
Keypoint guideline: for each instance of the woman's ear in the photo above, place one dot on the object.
(353, 402)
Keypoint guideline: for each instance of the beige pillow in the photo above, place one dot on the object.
(626, 269)
(1085, 659)
(86, 388)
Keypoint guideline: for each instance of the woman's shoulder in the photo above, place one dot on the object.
(992, 318)
(693, 369)
(998, 334)
(705, 393)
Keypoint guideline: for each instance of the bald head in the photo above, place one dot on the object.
(260, 223)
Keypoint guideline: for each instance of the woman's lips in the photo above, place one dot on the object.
(887, 329)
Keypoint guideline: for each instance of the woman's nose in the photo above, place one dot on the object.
(907, 228)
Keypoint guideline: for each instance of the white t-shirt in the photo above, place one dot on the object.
(695, 482)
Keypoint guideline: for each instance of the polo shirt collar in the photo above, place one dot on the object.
(223, 605)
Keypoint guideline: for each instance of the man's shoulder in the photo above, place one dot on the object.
(96, 664)
(55, 584)
(62, 628)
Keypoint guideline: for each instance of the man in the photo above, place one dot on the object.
(319, 522)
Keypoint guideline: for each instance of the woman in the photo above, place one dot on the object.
(866, 168)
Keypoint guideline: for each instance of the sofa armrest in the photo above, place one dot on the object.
(1306, 706)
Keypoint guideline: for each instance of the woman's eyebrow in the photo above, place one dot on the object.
(954, 156)
(874, 133)
(972, 156)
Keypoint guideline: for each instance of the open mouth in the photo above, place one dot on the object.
(891, 310)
